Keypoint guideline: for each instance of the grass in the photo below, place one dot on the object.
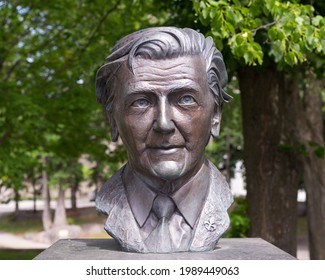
(86, 220)
(9, 254)
(20, 226)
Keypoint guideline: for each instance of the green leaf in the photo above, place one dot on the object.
(290, 58)
(309, 35)
(316, 20)
(270, 4)
(299, 20)
(215, 3)
(277, 50)
(230, 28)
(280, 35)
(239, 39)
(273, 34)
(213, 13)
(205, 13)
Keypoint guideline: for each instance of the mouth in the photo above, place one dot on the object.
(165, 147)
(168, 149)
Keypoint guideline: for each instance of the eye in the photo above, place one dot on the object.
(186, 100)
(141, 103)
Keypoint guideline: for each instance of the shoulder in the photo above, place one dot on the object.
(219, 188)
(110, 193)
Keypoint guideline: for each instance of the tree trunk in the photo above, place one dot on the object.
(271, 168)
(60, 216)
(311, 134)
(34, 198)
(17, 198)
(74, 189)
(46, 215)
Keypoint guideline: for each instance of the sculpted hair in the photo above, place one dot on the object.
(160, 43)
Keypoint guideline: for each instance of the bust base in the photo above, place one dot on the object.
(109, 249)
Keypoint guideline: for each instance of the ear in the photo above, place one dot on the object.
(113, 126)
(114, 131)
(216, 120)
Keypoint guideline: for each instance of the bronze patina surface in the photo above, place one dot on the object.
(163, 92)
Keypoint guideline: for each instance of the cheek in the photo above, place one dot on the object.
(139, 126)
(133, 131)
(196, 128)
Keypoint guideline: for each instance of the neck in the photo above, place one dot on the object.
(164, 186)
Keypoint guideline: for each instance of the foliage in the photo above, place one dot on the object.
(239, 221)
(49, 54)
(286, 31)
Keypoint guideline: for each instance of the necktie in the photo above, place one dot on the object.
(159, 240)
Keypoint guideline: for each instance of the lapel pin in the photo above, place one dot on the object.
(210, 225)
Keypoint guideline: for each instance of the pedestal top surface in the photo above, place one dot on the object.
(108, 249)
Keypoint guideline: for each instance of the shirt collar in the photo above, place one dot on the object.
(139, 195)
(189, 198)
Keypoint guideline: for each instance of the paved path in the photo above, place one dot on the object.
(8, 208)
(10, 241)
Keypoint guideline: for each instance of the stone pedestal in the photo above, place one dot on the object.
(108, 249)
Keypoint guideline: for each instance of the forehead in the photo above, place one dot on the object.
(164, 75)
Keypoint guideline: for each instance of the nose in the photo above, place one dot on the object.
(163, 122)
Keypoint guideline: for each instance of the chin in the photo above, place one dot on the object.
(168, 170)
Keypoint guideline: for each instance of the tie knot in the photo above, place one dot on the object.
(163, 206)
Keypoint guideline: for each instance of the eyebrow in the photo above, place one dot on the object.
(173, 90)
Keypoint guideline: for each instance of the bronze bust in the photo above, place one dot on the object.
(163, 92)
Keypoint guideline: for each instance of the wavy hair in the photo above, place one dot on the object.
(160, 43)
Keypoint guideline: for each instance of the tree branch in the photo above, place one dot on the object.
(266, 26)
(99, 24)
(91, 37)
(11, 70)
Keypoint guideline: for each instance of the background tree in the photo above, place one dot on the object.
(49, 54)
(311, 136)
(310, 142)
(277, 35)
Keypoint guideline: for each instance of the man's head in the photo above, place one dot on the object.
(163, 91)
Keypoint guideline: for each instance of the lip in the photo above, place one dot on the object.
(166, 149)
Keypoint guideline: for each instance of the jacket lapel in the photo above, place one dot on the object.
(120, 223)
(122, 226)
(214, 219)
